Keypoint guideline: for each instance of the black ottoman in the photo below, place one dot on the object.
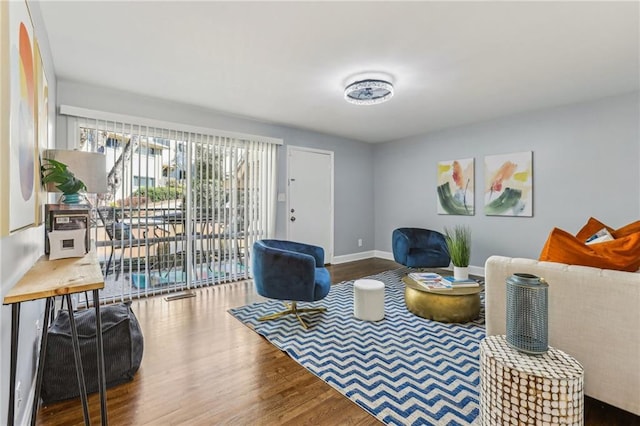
(123, 345)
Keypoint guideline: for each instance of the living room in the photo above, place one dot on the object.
(585, 151)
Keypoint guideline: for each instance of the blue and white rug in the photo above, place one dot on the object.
(404, 370)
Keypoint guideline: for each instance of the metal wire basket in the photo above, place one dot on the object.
(527, 313)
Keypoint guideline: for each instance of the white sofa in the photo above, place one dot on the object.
(594, 316)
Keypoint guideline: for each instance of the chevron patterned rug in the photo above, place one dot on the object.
(404, 370)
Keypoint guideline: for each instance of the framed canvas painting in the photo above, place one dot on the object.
(42, 131)
(22, 113)
(508, 186)
(456, 187)
(4, 119)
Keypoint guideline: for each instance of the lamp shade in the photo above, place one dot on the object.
(90, 167)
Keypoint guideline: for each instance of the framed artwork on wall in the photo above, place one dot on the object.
(456, 187)
(42, 131)
(21, 182)
(4, 119)
(508, 184)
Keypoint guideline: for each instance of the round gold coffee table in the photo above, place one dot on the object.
(455, 305)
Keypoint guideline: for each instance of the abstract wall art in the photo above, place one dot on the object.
(22, 165)
(456, 186)
(4, 119)
(42, 130)
(508, 184)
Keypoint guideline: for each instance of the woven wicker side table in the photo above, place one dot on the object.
(521, 389)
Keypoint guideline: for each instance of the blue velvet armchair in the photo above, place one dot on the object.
(420, 248)
(290, 271)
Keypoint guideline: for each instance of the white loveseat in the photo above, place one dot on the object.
(594, 316)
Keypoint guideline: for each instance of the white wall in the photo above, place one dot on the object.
(585, 163)
(353, 159)
(18, 252)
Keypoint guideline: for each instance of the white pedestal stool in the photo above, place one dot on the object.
(368, 300)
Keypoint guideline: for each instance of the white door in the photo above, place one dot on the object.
(310, 200)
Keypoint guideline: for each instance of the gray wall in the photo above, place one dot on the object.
(18, 252)
(586, 160)
(585, 163)
(353, 160)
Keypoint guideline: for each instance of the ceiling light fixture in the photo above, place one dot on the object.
(368, 92)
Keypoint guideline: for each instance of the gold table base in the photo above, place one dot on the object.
(455, 305)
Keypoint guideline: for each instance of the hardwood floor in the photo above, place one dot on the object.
(201, 366)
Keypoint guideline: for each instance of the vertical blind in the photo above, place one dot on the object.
(184, 205)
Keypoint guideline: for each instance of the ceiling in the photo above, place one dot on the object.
(287, 63)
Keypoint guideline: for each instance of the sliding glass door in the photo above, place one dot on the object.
(183, 208)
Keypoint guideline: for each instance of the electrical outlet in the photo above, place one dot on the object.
(359, 242)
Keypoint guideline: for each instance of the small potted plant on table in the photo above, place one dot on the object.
(64, 180)
(459, 246)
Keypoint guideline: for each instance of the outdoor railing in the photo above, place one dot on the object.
(152, 258)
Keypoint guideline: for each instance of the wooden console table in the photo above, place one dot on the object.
(46, 280)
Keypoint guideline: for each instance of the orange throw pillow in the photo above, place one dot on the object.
(629, 229)
(594, 225)
(621, 254)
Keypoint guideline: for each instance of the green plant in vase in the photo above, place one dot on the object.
(459, 246)
(63, 179)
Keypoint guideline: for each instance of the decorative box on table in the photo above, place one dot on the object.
(70, 225)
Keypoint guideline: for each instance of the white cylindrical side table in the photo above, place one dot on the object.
(368, 300)
(522, 389)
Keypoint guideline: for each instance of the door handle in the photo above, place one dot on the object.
(293, 219)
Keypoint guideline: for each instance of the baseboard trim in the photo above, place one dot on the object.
(473, 270)
(28, 406)
(352, 257)
(476, 270)
(383, 254)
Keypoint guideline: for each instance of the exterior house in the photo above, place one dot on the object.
(143, 170)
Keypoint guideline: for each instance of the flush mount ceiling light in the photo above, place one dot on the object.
(368, 92)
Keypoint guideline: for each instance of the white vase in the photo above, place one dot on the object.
(460, 272)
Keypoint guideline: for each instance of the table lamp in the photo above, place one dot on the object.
(90, 167)
(67, 225)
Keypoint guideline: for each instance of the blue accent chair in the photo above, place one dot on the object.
(420, 248)
(290, 271)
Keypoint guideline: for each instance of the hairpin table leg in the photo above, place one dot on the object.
(78, 360)
(15, 324)
(43, 353)
(101, 368)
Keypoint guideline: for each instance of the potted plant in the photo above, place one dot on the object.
(63, 179)
(459, 246)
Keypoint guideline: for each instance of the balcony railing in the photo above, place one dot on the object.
(153, 250)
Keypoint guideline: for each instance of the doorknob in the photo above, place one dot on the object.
(293, 219)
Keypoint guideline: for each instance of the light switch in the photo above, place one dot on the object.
(282, 197)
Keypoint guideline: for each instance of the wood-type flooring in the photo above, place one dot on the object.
(201, 366)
